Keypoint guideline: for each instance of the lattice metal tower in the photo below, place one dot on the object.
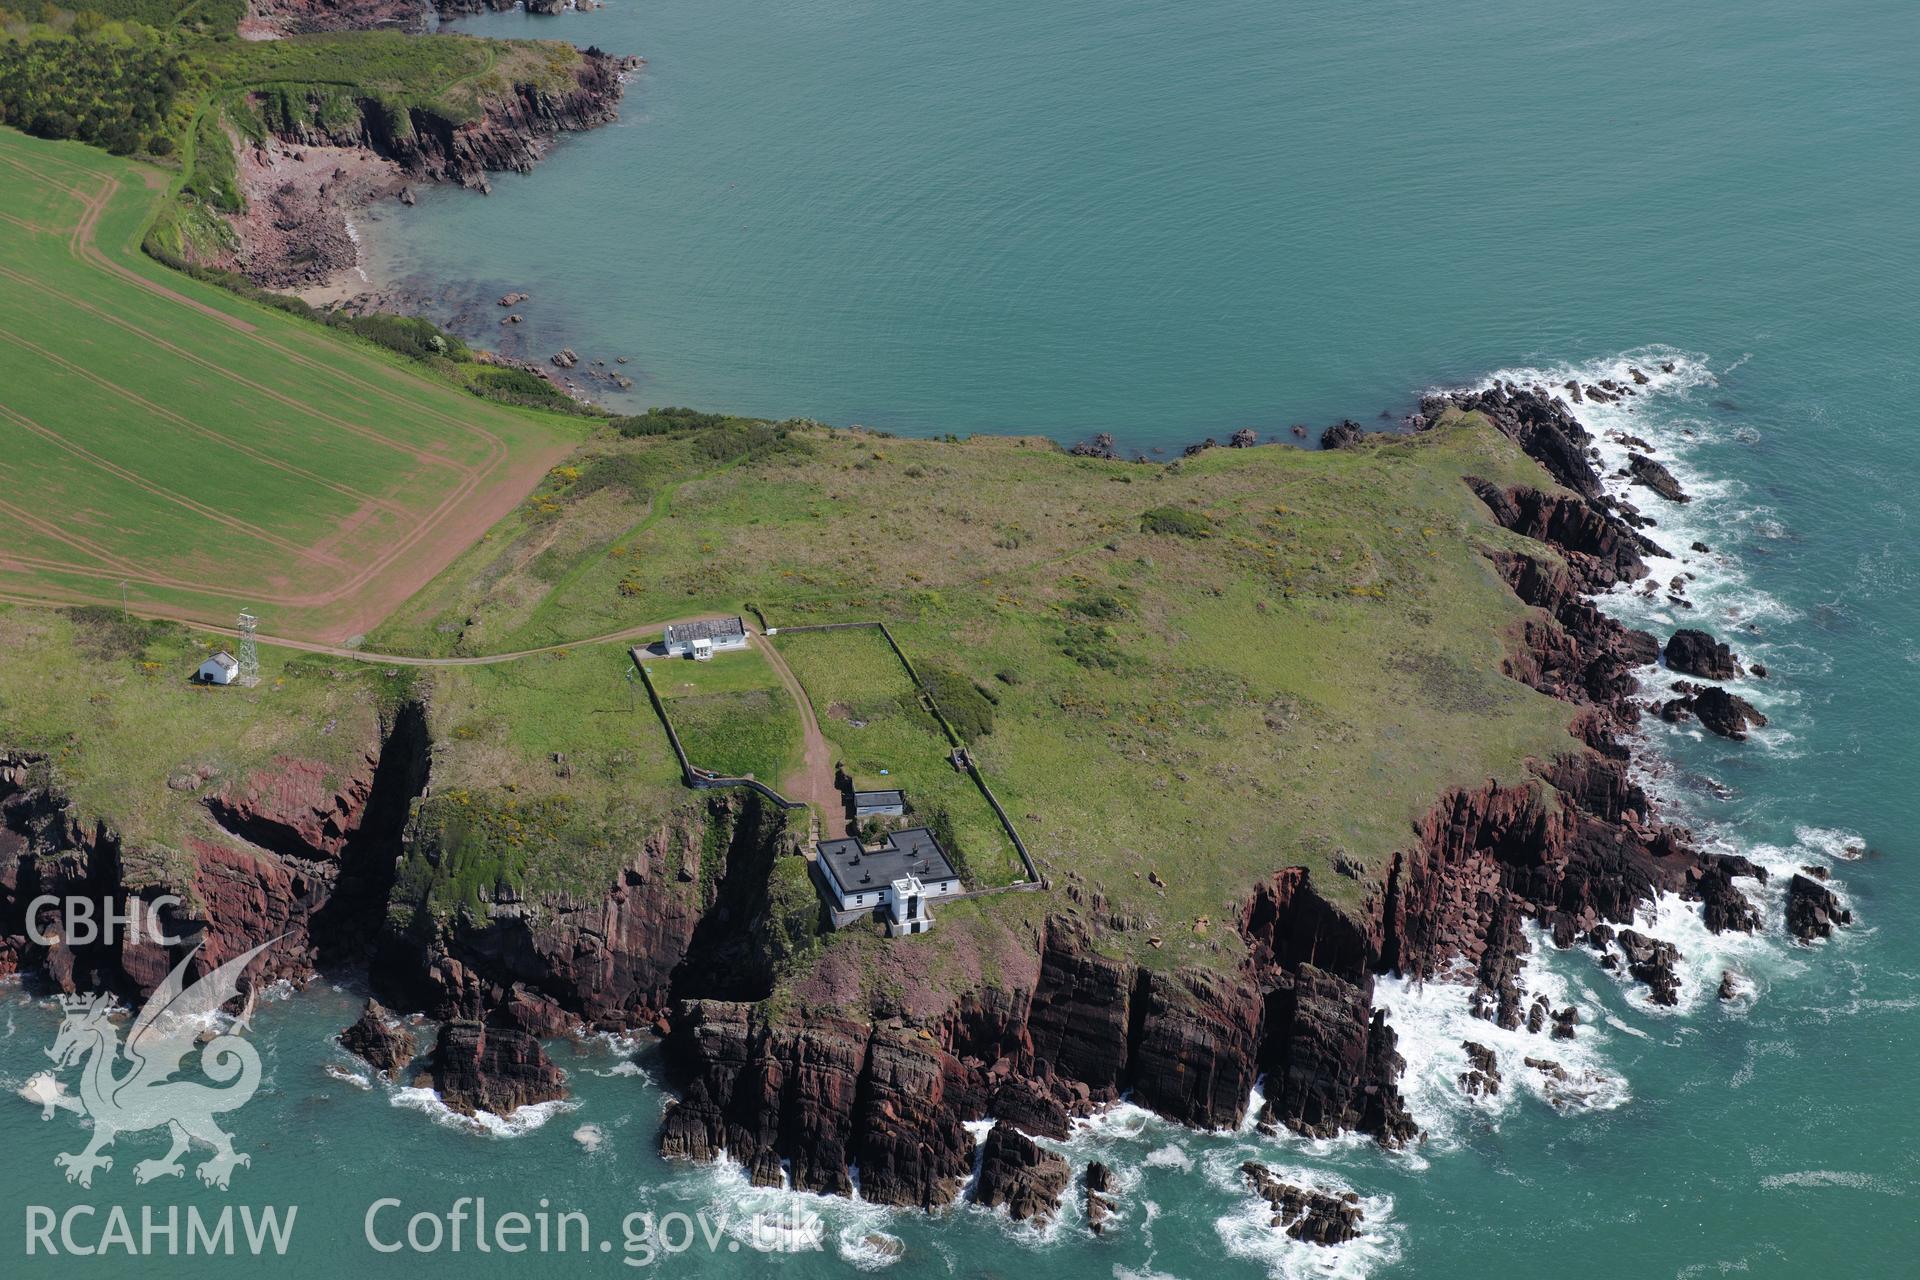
(249, 654)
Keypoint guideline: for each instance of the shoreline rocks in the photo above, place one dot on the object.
(380, 1041)
(1306, 1214)
(1654, 475)
(1017, 1173)
(1696, 653)
(1812, 909)
(477, 1067)
(1726, 714)
(315, 171)
(1100, 1203)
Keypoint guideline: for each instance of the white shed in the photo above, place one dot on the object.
(221, 668)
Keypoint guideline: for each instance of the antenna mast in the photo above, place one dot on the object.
(249, 654)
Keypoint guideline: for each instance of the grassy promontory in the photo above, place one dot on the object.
(1196, 673)
(1288, 675)
(1177, 709)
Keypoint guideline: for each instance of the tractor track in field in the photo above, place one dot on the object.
(82, 235)
(45, 528)
(224, 441)
(24, 423)
(424, 456)
(449, 527)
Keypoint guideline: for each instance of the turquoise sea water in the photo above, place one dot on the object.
(1167, 222)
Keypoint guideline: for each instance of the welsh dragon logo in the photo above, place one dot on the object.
(129, 1088)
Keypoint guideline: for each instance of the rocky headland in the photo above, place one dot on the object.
(1060, 1023)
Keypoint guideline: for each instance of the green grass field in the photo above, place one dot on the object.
(731, 713)
(190, 453)
(106, 698)
(870, 712)
(1290, 677)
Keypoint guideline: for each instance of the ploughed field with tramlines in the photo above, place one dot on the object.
(168, 446)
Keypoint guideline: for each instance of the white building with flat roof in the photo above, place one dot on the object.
(704, 637)
(895, 881)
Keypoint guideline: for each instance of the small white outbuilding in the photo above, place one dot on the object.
(701, 639)
(221, 668)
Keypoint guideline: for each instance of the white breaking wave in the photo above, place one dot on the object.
(1433, 1021)
(1247, 1230)
(1828, 1178)
(778, 1219)
(523, 1121)
(1686, 587)
(359, 1079)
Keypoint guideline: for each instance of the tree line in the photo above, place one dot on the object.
(109, 94)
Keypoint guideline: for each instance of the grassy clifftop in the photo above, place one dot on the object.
(1178, 678)
(1197, 673)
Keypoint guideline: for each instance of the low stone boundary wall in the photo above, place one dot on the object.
(1034, 879)
(697, 778)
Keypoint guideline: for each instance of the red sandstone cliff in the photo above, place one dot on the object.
(512, 132)
(823, 1087)
(1577, 849)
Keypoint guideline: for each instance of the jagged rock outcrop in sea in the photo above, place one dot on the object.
(477, 1067)
(1028, 1179)
(378, 1039)
(1316, 1217)
(1727, 714)
(1813, 909)
(1696, 653)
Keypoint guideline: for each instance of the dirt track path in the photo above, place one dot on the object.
(813, 781)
